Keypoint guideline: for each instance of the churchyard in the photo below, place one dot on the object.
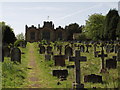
(61, 65)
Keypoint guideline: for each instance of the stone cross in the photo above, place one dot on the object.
(102, 55)
(77, 61)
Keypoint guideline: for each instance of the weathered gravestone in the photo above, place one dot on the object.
(42, 50)
(48, 57)
(49, 50)
(82, 48)
(6, 51)
(102, 55)
(39, 45)
(111, 63)
(60, 73)
(96, 53)
(68, 51)
(108, 48)
(59, 60)
(93, 78)
(77, 60)
(16, 55)
(87, 47)
(59, 48)
(116, 48)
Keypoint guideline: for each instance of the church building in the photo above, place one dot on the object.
(47, 32)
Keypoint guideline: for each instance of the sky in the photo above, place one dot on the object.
(19, 14)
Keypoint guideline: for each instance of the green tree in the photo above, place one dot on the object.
(118, 29)
(8, 35)
(94, 27)
(20, 36)
(111, 22)
(73, 28)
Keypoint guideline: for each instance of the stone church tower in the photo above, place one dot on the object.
(47, 32)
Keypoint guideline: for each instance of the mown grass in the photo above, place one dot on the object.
(92, 66)
(14, 74)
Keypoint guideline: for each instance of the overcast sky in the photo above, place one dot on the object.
(18, 14)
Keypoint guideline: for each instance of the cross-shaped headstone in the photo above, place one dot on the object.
(102, 55)
(77, 59)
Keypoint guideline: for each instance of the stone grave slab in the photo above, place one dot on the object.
(93, 78)
(48, 57)
(42, 50)
(60, 73)
(111, 64)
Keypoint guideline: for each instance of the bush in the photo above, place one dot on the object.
(17, 42)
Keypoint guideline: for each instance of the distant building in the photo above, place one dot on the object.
(47, 32)
(119, 8)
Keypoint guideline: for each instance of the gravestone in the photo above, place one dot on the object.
(72, 58)
(6, 51)
(47, 57)
(59, 60)
(68, 51)
(59, 48)
(93, 78)
(111, 63)
(49, 50)
(16, 55)
(70, 66)
(39, 45)
(108, 48)
(60, 73)
(82, 48)
(116, 48)
(87, 48)
(42, 50)
(96, 53)
(94, 47)
(77, 60)
(102, 55)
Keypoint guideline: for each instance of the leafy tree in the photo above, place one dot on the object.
(94, 26)
(118, 29)
(8, 35)
(73, 28)
(111, 22)
(20, 36)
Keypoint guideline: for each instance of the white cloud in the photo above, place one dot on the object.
(80, 11)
